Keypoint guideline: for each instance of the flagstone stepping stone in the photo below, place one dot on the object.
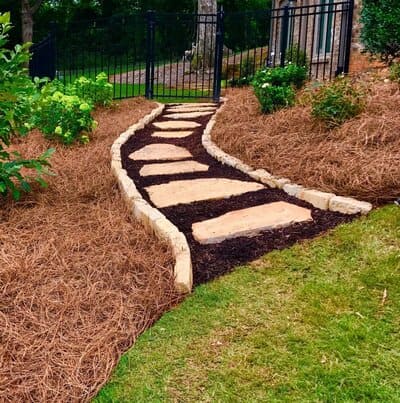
(179, 124)
(189, 191)
(189, 115)
(193, 105)
(171, 168)
(192, 109)
(249, 222)
(172, 135)
(160, 152)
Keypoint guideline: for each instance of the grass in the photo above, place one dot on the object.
(317, 322)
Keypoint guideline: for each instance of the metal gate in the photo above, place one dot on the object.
(185, 56)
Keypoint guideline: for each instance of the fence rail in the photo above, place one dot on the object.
(175, 55)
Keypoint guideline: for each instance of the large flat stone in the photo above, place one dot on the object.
(171, 168)
(173, 134)
(193, 105)
(189, 191)
(160, 152)
(176, 125)
(192, 109)
(188, 115)
(249, 222)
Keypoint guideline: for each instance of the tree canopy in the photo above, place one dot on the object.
(65, 11)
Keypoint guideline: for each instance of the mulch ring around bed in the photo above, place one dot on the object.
(211, 261)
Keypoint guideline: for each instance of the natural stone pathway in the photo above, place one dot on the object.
(227, 217)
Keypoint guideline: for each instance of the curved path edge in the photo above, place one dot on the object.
(321, 200)
(153, 220)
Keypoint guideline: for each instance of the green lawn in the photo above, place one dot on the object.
(318, 322)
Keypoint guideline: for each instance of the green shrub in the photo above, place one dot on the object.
(336, 102)
(99, 92)
(395, 72)
(381, 27)
(296, 55)
(66, 118)
(272, 98)
(282, 76)
(18, 102)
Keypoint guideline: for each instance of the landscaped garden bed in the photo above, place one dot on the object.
(359, 158)
(79, 278)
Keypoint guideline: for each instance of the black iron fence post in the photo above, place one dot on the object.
(219, 54)
(349, 35)
(284, 35)
(150, 37)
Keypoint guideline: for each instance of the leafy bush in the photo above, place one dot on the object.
(282, 76)
(336, 102)
(381, 27)
(99, 91)
(65, 117)
(272, 98)
(18, 101)
(297, 56)
(395, 72)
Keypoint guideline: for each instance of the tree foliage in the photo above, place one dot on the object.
(18, 96)
(381, 28)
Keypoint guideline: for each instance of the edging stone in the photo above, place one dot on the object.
(152, 219)
(321, 200)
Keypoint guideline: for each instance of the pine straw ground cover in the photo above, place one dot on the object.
(360, 159)
(79, 280)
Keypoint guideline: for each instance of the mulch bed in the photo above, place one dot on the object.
(359, 159)
(211, 261)
(79, 279)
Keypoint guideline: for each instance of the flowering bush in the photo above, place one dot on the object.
(282, 76)
(18, 102)
(275, 88)
(99, 91)
(65, 117)
(272, 98)
(336, 102)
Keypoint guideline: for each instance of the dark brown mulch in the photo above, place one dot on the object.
(211, 261)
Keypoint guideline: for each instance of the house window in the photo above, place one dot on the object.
(324, 27)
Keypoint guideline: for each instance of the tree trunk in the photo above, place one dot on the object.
(207, 9)
(27, 21)
(27, 13)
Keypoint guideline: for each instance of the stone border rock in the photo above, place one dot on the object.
(321, 200)
(152, 219)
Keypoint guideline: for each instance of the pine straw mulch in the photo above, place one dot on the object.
(359, 159)
(79, 280)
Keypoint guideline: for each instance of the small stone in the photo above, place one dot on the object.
(176, 125)
(281, 182)
(316, 198)
(154, 152)
(348, 205)
(292, 189)
(172, 135)
(249, 222)
(183, 273)
(189, 191)
(189, 115)
(172, 168)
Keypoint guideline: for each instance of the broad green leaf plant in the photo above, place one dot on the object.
(18, 99)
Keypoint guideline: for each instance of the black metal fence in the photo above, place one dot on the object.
(173, 55)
